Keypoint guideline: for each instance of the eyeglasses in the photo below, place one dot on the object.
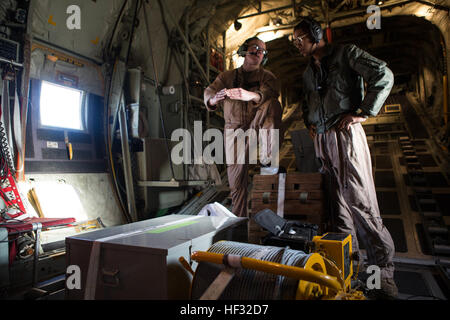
(257, 49)
(299, 40)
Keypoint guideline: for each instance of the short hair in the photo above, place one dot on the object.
(251, 39)
(302, 25)
(312, 27)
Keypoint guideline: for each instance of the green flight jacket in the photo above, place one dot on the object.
(337, 86)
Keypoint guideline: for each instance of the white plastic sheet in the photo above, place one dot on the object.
(216, 210)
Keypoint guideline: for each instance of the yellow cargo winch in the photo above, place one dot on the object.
(234, 271)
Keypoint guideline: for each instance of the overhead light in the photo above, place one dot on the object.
(269, 35)
(237, 25)
(380, 3)
(278, 22)
(423, 12)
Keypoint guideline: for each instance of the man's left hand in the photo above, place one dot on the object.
(243, 95)
(349, 119)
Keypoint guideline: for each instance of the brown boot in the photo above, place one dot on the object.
(388, 291)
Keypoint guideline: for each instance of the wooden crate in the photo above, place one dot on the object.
(297, 185)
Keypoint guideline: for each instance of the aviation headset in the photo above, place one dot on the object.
(314, 28)
(242, 51)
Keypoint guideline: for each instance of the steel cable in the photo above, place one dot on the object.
(250, 284)
(110, 135)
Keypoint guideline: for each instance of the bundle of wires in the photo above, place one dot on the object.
(6, 167)
(6, 163)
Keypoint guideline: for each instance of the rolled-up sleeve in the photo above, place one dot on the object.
(211, 91)
(269, 89)
(378, 76)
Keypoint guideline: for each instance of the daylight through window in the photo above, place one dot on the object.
(61, 107)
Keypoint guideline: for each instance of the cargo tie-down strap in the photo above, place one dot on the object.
(219, 284)
(94, 259)
(281, 194)
(232, 262)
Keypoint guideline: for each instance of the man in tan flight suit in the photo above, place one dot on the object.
(249, 98)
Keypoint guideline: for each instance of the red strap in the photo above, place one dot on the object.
(12, 195)
(329, 37)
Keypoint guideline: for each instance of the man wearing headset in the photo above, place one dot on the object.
(334, 107)
(249, 98)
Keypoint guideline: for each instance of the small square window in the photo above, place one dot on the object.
(61, 107)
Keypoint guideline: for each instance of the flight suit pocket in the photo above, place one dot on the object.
(337, 81)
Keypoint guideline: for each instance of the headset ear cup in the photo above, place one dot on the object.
(242, 50)
(316, 31)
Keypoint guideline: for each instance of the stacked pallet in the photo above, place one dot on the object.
(303, 199)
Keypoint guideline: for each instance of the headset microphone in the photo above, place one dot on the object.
(244, 53)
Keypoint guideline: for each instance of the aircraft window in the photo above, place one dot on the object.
(61, 107)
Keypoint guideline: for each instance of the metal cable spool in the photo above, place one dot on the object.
(253, 285)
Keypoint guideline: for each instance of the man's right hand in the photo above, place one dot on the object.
(312, 131)
(221, 95)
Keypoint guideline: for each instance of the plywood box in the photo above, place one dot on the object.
(303, 199)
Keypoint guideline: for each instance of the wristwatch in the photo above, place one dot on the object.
(360, 113)
(212, 108)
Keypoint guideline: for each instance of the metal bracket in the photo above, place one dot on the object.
(110, 278)
(173, 184)
(37, 227)
(266, 197)
(304, 197)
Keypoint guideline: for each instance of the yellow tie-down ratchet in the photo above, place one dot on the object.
(68, 146)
